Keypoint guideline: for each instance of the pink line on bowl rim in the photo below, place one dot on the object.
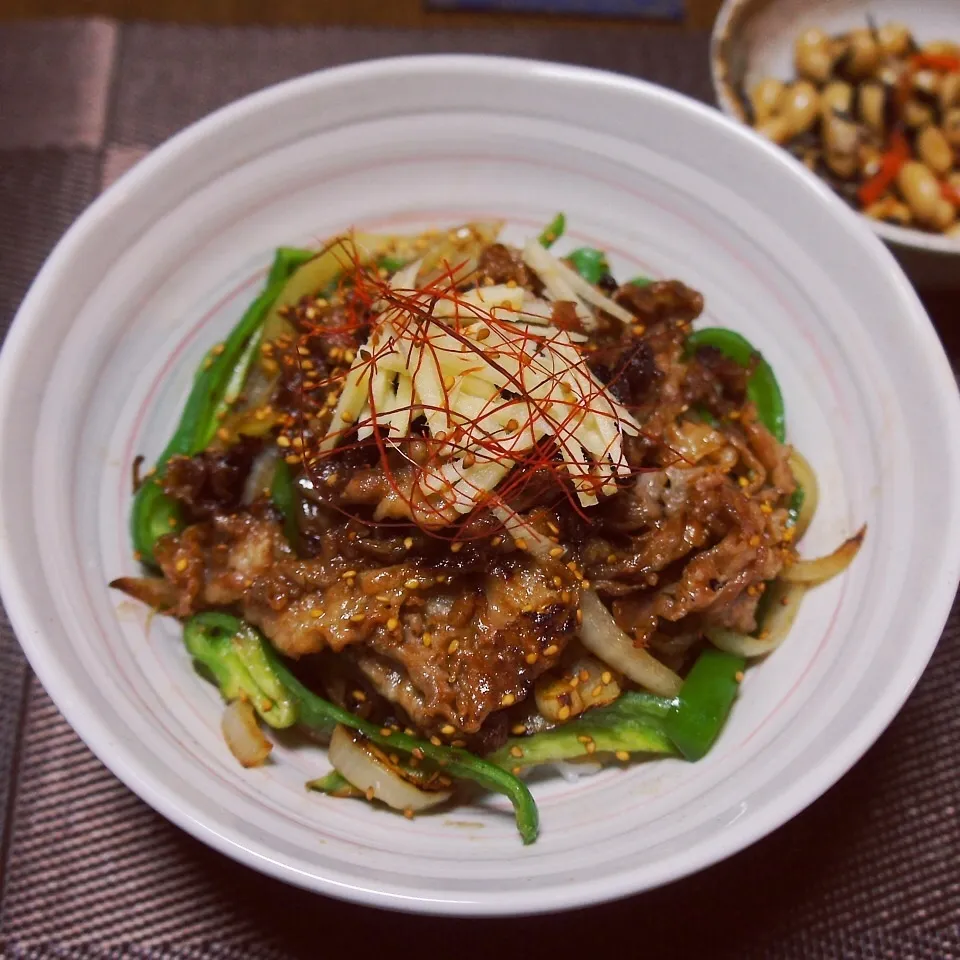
(446, 215)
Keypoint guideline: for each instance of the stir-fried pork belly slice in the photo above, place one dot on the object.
(463, 644)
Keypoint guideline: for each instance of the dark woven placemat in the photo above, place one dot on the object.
(871, 870)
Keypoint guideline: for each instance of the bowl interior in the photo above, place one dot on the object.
(164, 264)
(754, 39)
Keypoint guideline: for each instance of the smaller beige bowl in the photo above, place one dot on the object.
(753, 39)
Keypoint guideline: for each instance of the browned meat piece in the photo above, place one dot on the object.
(501, 264)
(564, 316)
(773, 456)
(702, 543)
(660, 301)
(212, 481)
(448, 648)
(715, 381)
(628, 369)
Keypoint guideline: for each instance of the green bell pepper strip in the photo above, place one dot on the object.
(641, 722)
(231, 651)
(762, 387)
(154, 513)
(391, 264)
(704, 702)
(319, 714)
(322, 716)
(283, 493)
(334, 784)
(553, 231)
(632, 723)
(590, 263)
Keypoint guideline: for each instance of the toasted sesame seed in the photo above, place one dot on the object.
(385, 732)
(738, 676)
(766, 508)
(359, 695)
(411, 584)
(291, 459)
(591, 747)
(563, 713)
(551, 650)
(754, 541)
(454, 646)
(496, 541)
(518, 729)
(584, 675)
(348, 574)
(393, 623)
(369, 794)
(427, 638)
(448, 730)
(597, 690)
(417, 753)
(520, 543)
(383, 597)
(583, 738)
(606, 676)
(458, 743)
(181, 564)
(531, 658)
(456, 546)
(573, 682)
(565, 596)
(554, 529)
(436, 741)
(516, 752)
(358, 617)
(407, 543)
(508, 700)
(743, 481)
(557, 551)
(579, 616)
(408, 812)
(516, 770)
(622, 756)
(557, 582)
(584, 584)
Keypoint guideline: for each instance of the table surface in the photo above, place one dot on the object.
(870, 870)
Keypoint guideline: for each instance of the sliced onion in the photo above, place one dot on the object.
(243, 734)
(824, 568)
(784, 602)
(807, 479)
(600, 634)
(369, 769)
(156, 592)
(261, 473)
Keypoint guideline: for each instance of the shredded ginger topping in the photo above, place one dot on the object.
(495, 384)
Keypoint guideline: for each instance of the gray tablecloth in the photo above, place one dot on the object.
(871, 870)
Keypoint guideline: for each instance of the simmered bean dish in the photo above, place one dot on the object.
(877, 116)
(463, 508)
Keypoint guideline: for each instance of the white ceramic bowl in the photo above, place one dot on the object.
(102, 352)
(753, 39)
